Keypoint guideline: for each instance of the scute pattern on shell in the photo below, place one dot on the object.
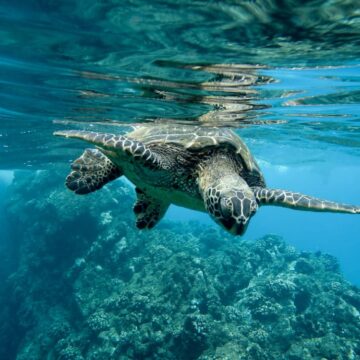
(194, 138)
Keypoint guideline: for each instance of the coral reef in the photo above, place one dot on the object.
(88, 285)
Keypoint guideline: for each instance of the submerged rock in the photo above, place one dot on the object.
(90, 286)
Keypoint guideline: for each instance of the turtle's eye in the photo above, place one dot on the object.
(226, 207)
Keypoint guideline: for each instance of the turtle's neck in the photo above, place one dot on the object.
(220, 171)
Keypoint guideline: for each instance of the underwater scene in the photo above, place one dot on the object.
(179, 179)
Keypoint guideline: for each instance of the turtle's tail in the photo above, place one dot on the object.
(299, 201)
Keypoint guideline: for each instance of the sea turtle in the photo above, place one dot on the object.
(201, 168)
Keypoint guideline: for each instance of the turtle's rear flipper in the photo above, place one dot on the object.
(91, 171)
(148, 210)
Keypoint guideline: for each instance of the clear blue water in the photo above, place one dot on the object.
(286, 79)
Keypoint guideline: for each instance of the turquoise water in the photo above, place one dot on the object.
(283, 75)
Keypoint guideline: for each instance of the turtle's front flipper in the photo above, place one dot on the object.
(91, 171)
(116, 143)
(148, 210)
(299, 201)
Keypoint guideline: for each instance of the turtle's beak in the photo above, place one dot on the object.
(239, 229)
(235, 227)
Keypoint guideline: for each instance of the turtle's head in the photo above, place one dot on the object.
(236, 207)
(231, 204)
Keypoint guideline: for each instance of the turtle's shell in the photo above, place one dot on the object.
(196, 138)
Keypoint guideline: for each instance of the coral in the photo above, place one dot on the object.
(99, 321)
(90, 286)
(70, 353)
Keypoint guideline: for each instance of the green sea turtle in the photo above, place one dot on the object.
(201, 168)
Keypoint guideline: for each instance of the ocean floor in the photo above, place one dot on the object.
(84, 283)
